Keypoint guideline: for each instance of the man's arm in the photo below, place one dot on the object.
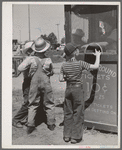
(24, 65)
(29, 61)
(51, 69)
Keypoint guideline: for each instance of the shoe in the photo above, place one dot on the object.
(61, 124)
(51, 127)
(66, 139)
(17, 125)
(74, 141)
(30, 129)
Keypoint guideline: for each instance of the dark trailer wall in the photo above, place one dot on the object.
(101, 99)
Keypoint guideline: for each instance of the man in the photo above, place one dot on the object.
(71, 72)
(21, 117)
(40, 88)
(78, 38)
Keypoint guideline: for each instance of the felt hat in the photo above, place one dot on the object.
(69, 49)
(40, 45)
(78, 32)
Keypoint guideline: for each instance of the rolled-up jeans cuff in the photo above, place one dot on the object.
(30, 125)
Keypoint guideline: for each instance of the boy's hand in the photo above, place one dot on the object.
(97, 53)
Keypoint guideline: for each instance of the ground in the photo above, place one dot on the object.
(42, 135)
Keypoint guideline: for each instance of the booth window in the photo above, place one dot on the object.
(95, 24)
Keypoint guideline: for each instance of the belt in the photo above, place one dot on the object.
(74, 85)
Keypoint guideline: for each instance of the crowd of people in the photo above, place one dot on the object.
(38, 94)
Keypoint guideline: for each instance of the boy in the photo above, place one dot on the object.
(71, 72)
(40, 88)
(21, 117)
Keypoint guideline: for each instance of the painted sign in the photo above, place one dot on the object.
(103, 109)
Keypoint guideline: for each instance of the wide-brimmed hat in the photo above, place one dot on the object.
(69, 48)
(78, 32)
(40, 45)
(26, 47)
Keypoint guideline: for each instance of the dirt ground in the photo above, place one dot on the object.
(42, 135)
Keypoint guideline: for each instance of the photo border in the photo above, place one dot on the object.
(7, 76)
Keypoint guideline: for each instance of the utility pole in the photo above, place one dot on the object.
(58, 30)
(20, 34)
(29, 21)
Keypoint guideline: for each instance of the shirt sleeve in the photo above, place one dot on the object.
(84, 65)
(29, 61)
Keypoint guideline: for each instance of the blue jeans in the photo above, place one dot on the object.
(73, 112)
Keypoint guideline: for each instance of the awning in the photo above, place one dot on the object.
(92, 9)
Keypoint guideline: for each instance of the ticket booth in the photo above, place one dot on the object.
(85, 24)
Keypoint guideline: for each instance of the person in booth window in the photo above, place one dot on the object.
(108, 37)
(109, 33)
(78, 38)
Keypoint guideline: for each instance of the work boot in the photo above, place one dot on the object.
(51, 127)
(30, 129)
(74, 141)
(66, 139)
(17, 125)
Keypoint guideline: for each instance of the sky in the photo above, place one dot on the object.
(43, 20)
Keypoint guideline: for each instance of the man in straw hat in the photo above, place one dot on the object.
(40, 88)
(71, 72)
(21, 117)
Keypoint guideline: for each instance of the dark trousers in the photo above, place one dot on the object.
(22, 114)
(73, 112)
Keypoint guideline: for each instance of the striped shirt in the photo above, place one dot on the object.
(72, 71)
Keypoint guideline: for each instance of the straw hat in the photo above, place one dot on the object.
(26, 47)
(40, 45)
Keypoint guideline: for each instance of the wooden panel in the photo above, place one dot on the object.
(102, 107)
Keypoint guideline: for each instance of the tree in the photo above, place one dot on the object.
(63, 40)
(45, 37)
(52, 38)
